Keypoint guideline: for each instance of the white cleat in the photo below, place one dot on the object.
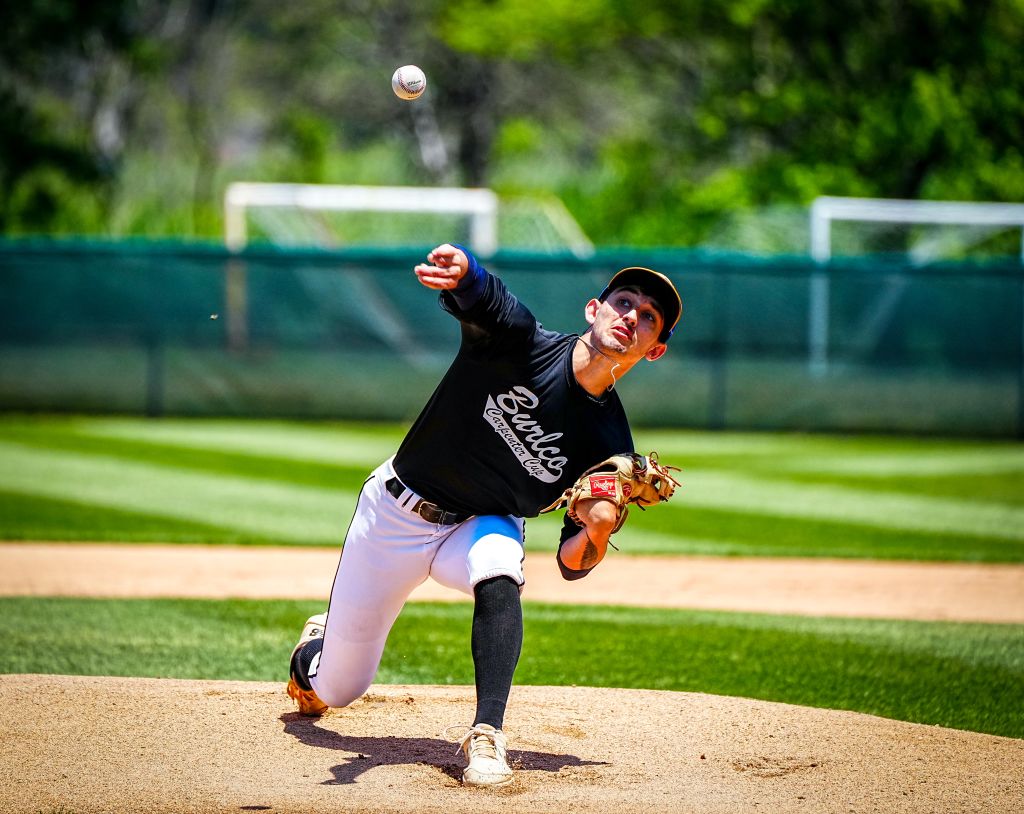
(314, 629)
(486, 751)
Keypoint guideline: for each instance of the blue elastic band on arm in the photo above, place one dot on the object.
(470, 287)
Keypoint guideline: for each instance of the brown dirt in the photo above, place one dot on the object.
(900, 590)
(150, 745)
(76, 745)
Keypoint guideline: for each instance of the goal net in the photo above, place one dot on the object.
(925, 231)
(332, 216)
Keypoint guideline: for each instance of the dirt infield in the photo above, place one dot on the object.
(900, 590)
(77, 745)
(85, 745)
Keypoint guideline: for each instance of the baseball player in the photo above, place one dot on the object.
(521, 412)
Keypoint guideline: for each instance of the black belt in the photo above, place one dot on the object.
(430, 512)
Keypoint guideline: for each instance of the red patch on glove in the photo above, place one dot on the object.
(602, 486)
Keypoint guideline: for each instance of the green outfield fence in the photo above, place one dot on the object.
(876, 345)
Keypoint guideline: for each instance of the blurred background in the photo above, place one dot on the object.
(694, 137)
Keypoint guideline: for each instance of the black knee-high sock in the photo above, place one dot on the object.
(497, 642)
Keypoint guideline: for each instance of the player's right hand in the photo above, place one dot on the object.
(445, 266)
(587, 547)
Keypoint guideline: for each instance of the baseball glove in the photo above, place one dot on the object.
(623, 479)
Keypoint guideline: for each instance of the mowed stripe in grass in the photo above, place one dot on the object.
(762, 494)
(957, 468)
(714, 532)
(357, 445)
(318, 471)
(967, 676)
(702, 488)
(861, 454)
(267, 481)
(28, 517)
(745, 493)
(276, 509)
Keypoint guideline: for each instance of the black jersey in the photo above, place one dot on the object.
(509, 428)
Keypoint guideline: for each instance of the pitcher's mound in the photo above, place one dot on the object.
(84, 744)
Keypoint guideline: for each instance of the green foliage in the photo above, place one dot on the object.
(655, 122)
(966, 676)
(763, 104)
(47, 194)
(309, 137)
(54, 175)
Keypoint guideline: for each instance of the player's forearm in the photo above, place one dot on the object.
(586, 548)
(581, 552)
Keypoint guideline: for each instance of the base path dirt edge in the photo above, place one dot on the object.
(970, 592)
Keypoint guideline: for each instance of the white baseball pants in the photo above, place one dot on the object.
(389, 551)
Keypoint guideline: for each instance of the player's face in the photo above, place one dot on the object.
(628, 322)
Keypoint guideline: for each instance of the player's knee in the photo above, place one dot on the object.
(342, 680)
(498, 553)
(339, 695)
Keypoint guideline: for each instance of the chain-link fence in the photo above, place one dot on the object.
(764, 343)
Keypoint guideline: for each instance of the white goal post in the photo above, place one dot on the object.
(826, 209)
(481, 205)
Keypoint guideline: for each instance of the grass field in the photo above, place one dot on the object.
(261, 482)
(966, 676)
(290, 483)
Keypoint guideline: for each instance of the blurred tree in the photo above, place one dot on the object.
(650, 120)
(751, 103)
(74, 87)
(57, 135)
(323, 68)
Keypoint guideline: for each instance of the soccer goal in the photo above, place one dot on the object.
(331, 215)
(827, 210)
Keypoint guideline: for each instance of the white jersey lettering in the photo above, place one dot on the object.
(524, 436)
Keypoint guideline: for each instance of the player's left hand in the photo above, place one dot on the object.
(445, 266)
(620, 480)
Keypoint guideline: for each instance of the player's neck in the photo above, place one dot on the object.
(595, 371)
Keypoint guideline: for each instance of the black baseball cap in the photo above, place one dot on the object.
(656, 286)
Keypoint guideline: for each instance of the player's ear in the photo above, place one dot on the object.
(590, 311)
(656, 352)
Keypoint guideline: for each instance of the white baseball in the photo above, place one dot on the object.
(408, 82)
